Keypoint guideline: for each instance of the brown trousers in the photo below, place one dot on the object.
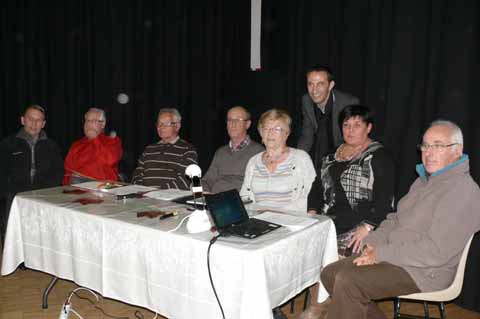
(353, 288)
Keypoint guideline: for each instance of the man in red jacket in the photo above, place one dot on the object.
(95, 156)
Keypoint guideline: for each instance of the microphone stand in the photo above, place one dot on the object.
(198, 221)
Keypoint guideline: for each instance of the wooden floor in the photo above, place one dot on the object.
(21, 293)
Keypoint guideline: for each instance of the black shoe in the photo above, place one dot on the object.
(278, 314)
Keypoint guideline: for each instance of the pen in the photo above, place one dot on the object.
(168, 215)
(133, 195)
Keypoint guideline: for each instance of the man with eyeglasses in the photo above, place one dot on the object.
(96, 155)
(227, 169)
(163, 164)
(28, 160)
(418, 248)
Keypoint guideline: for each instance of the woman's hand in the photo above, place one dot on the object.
(357, 238)
(312, 212)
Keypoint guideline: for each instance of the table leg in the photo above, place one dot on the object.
(47, 291)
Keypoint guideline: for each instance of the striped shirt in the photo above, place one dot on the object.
(163, 165)
(290, 183)
(273, 189)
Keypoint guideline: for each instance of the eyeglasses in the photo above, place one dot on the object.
(276, 130)
(89, 121)
(235, 121)
(167, 124)
(435, 147)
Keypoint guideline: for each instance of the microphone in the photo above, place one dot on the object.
(199, 220)
(195, 173)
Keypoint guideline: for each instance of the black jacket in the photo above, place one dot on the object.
(15, 163)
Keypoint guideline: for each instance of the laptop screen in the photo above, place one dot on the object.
(226, 208)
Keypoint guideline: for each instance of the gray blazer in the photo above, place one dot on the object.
(309, 127)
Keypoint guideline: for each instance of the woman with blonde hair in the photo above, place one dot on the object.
(281, 176)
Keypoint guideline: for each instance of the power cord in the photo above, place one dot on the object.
(179, 224)
(76, 313)
(212, 241)
(67, 306)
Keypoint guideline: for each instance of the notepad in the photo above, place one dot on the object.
(293, 223)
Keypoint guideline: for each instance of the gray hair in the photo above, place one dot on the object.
(456, 132)
(176, 115)
(103, 115)
(275, 115)
(244, 110)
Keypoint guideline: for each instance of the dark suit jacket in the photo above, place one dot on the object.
(309, 127)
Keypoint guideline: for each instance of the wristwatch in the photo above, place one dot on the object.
(368, 227)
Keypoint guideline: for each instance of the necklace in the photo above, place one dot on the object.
(271, 159)
(347, 152)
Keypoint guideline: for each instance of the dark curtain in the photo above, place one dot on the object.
(70, 55)
(410, 61)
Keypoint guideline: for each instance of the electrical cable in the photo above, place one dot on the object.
(76, 313)
(74, 292)
(99, 308)
(212, 241)
(138, 315)
(179, 224)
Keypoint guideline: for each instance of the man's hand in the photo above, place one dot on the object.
(312, 212)
(357, 238)
(368, 257)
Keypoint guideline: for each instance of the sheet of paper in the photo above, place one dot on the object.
(130, 189)
(98, 186)
(114, 188)
(293, 223)
(168, 194)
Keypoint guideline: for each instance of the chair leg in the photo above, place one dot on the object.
(425, 310)
(396, 308)
(305, 301)
(441, 308)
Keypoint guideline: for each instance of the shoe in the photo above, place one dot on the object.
(316, 310)
(278, 314)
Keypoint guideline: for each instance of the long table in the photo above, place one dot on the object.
(107, 248)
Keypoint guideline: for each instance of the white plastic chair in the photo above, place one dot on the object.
(439, 296)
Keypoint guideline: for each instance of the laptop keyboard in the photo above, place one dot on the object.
(251, 228)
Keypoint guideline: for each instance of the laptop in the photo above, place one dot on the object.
(231, 218)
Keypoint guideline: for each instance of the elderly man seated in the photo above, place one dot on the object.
(163, 164)
(96, 155)
(227, 169)
(418, 248)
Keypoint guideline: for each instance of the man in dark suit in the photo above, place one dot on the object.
(321, 133)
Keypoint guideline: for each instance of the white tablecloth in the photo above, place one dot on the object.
(105, 247)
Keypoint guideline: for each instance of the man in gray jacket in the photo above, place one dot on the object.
(418, 248)
(321, 133)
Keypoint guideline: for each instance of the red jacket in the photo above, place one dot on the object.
(96, 159)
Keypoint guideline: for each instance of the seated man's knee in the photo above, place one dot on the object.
(338, 274)
(327, 276)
